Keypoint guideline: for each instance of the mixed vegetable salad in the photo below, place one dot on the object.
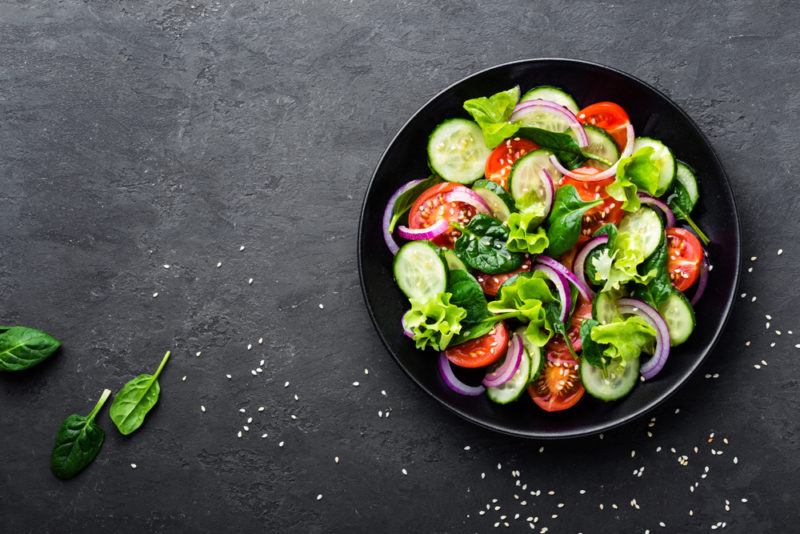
(544, 249)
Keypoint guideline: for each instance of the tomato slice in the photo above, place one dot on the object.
(608, 116)
(557, 388)
(481, 351)
(431, 206)
(685, 255)
(502, 158)
(556, 350)
(490, 283)
(609, 211)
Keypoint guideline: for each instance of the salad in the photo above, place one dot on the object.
(543, 249)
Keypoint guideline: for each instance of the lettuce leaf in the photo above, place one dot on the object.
(638, 171)
(435, 322)
(625, 339)
(492, 114)
(524, 298)
(521, 238)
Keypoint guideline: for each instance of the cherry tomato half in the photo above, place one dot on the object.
(684, 257)
(608, 116)
(558, 387)
(502, 158)
(481, 351)
(431, 206)
(610, 211)
(490, 283)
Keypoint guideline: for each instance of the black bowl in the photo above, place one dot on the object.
(652, 114)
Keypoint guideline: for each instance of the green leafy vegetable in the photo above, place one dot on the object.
(22, 347)
(638, 171)
(482, 246)
(681, 205)
(520, 236)
(466, 293)
(492, 115)
(565, 219)
(135, 399)
(657, 290)
(591, 351)
(524, 298)
(625, 339)
(406, 199)
(618, 261)
(563, 145)
(78, 441)
(434, 323)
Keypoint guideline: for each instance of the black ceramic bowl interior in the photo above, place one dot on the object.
(652, 114)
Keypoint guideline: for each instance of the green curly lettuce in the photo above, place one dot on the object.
(625, 339)
(525, 298)
(618, 263)
(493, 113)
(521, 238)
(435, 322)
(637, 172)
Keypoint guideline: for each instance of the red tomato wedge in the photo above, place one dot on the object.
(684, 257)
(610, 211)
(557, 388)
(608, 116)
(481, 351)
(431, 206)
(502, 158)
(490, 283)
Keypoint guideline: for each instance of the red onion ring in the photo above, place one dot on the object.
(702, 283)
(430, 232)
(562, 287)
(468, 196)
(580, 260)
(644, 198)
(579, 284)
(508, 368)
(530, 106)
(608, 173)
(636, 307)
(453, 382)
(406, 330)
(387, 215)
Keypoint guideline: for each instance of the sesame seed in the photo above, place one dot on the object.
(355, 384)
(753, 258)
(184, 378)
(202, 408)
(241, 248)
(133, 466)
(286, 384)
(239, 434)
(263, 435)
(466, 447)
(319, 497)
(219, 264)
(246, 428)
(780, 251)
(166, 266)
(336, 459)
(403, 470)
(155, 294)
(753, 299)
(228, 376)
(749, 269)
(249, 281)
(280, 444)
(260, 408)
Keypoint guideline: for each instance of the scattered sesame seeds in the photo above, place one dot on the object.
(321, 306)
(198, 353)
(202, 408)
(280, 444)
(155, 294)
(336, 459)
(743, 295)
(383, 392)
(403, 470)
(319, 495)
(753, 299)
(286, 384)
(183, 379)
(264, 435)
(249, 346)
(355, 384)
(753, 258)
(239, 434)
(241, 248)
(166, 265)
(467, 447)
(250, 281)
(133, 466)
(228, 376)
(219, 264)
(736, 459)
(780, 251)
(749, 269)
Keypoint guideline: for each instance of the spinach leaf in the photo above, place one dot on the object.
(78, 441)
(482, 246)
(563, 145)
(435, 322)
(520, 236)
(565, 219)
(467, 293)
(552, 312)
(406, 199)
(681, 205)
(22, 347)
(591, 351)
(660, 287)
(135, 399)
(492, 114)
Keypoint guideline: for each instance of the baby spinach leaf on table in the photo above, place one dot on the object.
(406, 199)
(681, 205)
(482, 246)
(435, 322)
(492, 114)
(22, 347)
(78, 441)
(135, 399)
(563, 145)
(564, 221)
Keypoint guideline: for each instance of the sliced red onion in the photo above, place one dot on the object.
(453, 382)
(702, 283)
(603, 175)
(468, 196)
(508, 368)
(579, 284)
(543, 106)
(562, 286)
(387, 215)
(406, 330)
(549, 191)
(580, 260)
(430, 232)
(656, 362)
(644, 198)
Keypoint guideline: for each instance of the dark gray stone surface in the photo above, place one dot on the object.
(139, 134)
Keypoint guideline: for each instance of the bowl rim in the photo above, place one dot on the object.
(593, 428)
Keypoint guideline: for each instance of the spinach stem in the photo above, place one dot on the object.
(161, 366)
(97, 407)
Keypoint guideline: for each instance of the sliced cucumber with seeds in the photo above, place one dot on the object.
(525, 181)
(604, 308)
(686, 177)
(500, 202)
(611, 383)
(552, 94)
(534, 353)
(420, 271)
(679, 316)
(664, 159)
(513, 389)
(646, 226)
(451, 260)
(600, 145)
(457, 152)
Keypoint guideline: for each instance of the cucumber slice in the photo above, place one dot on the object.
(552, 94)
(686, 177)
(419, 270)
(612, 383)
(665, 161)
(500, 202)
(534, 353)
(511, 390)
(604, 308)
(679, 316)
(451, 260)
(647, 225)
(456, 151)
(601, 145)
(525, 181)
